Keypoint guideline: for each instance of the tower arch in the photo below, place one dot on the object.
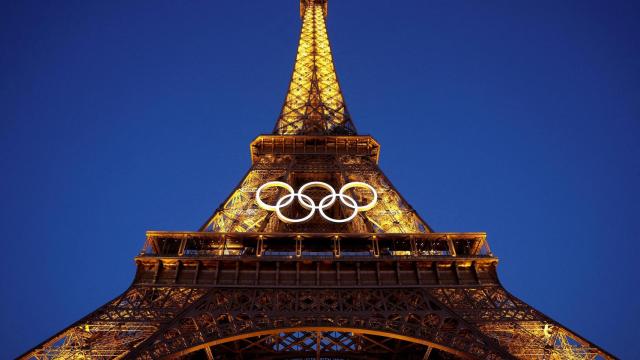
(324, 343)
(228, 315)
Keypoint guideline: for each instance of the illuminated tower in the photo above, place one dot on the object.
(315, 255)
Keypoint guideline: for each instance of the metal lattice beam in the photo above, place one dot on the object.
(249, 286)
(406, 314)
(314, 103)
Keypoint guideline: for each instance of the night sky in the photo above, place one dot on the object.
(518, 118)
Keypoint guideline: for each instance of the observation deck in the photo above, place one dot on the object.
(357, 145)
(315, 259)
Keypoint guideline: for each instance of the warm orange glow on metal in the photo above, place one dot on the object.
(246, 274)
(242, 213)
(314, 103)
(328, 329)
(355, 145)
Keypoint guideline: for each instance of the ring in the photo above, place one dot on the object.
(309, 204)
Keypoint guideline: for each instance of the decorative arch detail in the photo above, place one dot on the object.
(347, 342)
(225, 315)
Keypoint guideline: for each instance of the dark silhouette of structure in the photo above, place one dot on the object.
(315, 255)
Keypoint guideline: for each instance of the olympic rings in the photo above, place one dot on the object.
(309, 204)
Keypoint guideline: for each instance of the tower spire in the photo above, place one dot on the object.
(314, 104)
(315, 254)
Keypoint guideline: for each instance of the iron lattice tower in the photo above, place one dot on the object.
(253, 283)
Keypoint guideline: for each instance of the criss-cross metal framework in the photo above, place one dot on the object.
(250, 286)
(314, 103)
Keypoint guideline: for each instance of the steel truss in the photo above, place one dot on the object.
(193, 296)
(314, 103)
(248, 286)
(320, 345)
(410, 314)
(240, 213)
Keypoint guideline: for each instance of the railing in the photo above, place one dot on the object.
(316, 245)
(345, 145)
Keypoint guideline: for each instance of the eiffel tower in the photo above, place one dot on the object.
(315, 255)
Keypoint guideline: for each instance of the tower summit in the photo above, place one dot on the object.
(314, 104)
(315, 255)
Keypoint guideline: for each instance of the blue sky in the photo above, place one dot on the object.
(520, 119)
